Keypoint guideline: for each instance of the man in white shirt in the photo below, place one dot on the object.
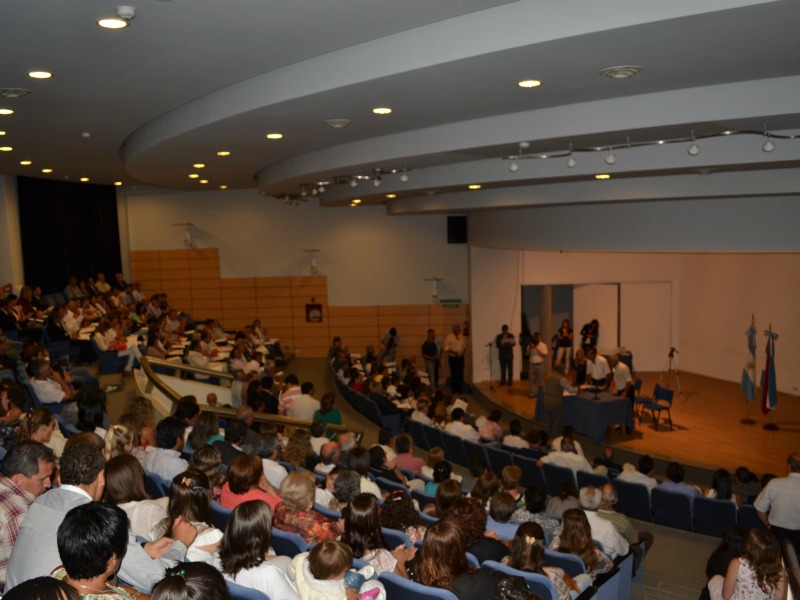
(643, 476)
(597, 369)
(566, 457)
(72, 319)
(537, 352)
(621, 377)
(455, 346)
(165, 461)
(603, 530)
(461, 429)
(421, 414)
(50, 387)
(305, 405)
(273, 470)
(329, 455)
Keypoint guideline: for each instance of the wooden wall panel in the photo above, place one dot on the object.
(192, 280)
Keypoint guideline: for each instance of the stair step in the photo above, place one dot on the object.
(643, 592)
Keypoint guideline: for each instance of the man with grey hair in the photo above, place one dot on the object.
(566, 457)
(245, 413)
(602, 530)
(329, 455)
(778, 504)
(347, 441)
(640, 542)
(27, 472)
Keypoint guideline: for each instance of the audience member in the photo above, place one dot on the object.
(534, 511)
(165, 460)
(192, 581)
(640, 541)
(295, 513)
(124, 487)
(501, 508)
(246, 481)
(603, 530)
(469, 517)
(576, 538)
(674, 482)
(758, 575)
(778, 504)
(643, 474)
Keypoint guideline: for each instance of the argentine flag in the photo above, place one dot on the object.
(748, 372)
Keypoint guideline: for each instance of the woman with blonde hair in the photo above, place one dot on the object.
(119, 440)
(144, 416)
(298, 452)
(758, 575)
(38, 425)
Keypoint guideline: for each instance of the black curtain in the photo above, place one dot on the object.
(67, 229)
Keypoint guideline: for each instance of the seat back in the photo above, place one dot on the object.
(473, 561)
(570, 563)
(240, 592)
(417, 434)
(634, 500)
(454, 449)
(585, 478)
(475, 451)
(395, 537)
(330, 513)
(109, 360)
(663, 396)
(498, 459)
(712, 516)
(400, 587)
(287, 544)
(672, 510)
(220, 515)
(155, 486)
(391, 486)
(531, 473)
(748, 517)
(538, 584)
(434, 436)
(422, 498)
(554, 476)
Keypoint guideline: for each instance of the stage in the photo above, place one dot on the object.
(708, 432)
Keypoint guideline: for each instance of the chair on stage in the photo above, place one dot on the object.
(638, 400)
(661, 402)
(712, 516)
(672, 510)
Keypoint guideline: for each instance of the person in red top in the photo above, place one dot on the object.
(246, 481)
(296, 515)
(404, 459)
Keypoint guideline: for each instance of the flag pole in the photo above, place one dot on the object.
(748, 420)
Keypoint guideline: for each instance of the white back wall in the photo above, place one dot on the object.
(369, 258)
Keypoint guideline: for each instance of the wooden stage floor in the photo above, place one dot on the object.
(707, 432)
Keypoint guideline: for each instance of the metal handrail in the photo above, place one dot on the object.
(153, 377)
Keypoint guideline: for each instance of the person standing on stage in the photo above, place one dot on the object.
(455, 345)
(564, 345)
(589, 334)
(505, 349)
(432, 354)
(537, 352)
(597, 370)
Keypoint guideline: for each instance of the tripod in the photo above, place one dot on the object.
(671, 369)
(491, 379)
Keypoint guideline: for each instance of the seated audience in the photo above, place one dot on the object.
(510, 479)
(125, 488)
(191, 581)
(231, 447)
(640, 541)
(534, 511)
(566, 457)
(190, 499)
(674, 482)
(295, 513)
(566, 499)
(43, 588)
(576, 538)
(527, 554)
(469, 517)
(642, 474)
(362, 532)
(603, 530)
(323, 574)
(245, 481)
(446, 494)
(246, 556)
(329, 456)
(299, 452)
(491, 431)
(485, 488)
(119, 440)
(457, 426)
(404, 458)
(165, 459)
(358, 460)
(327, 412)
(208, 461)
(722, 487)
(398, 513)
(501, 508)
(758, 575)
(514, 439)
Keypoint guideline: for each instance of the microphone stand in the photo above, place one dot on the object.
(491, 380)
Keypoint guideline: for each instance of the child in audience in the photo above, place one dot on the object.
(322, 574)
(191, 581)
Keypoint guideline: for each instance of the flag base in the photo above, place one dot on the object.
(747, 421)
(771, 426)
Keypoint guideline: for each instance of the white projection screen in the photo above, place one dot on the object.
(601, 302)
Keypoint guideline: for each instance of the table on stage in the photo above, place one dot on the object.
(592, 416)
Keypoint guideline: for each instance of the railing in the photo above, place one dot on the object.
(154, 380)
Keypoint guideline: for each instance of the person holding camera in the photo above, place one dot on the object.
(505, 349)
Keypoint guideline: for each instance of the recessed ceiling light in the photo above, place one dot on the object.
(193, 175)
(224, 153)
(40, 74)
(84, 179)
(2, 132)
(47, 170)
(198, 165)
(602, 176)
(14, 92)
(474, 186)
(223, 187)
(382, 110)
(621, 72)
(529, 83)
(274, 136)
(118, 183)
(6, 111)
(113, 23)
(337, 123)
(26, 163)
(204, 181)
(356, 200)
(6, 148)
(391, 196)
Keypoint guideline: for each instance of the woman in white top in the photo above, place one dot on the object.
(245, 554)
(125, 488)
(190, 498)
(722, 487)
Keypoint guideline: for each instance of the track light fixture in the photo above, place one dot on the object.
(571, 162)
(693, 149)
(404, 176)
(514, 166)
(354, 182)
(768, 146)
(610, 159)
